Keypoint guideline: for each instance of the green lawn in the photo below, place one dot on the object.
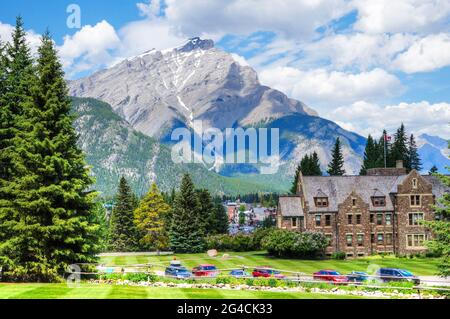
(419, 266)
(85, 291)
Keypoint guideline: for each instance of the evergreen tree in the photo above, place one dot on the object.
(123, 232)
(433, 170)
(413, 156)
(309, 166)
(371, 156)
(17, 80)
(186, 229)
(336, 166)
(56, 224)
(220, 221)
(206, 210)
(399, 149)
(150, 219)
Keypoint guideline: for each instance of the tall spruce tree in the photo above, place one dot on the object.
(150, 219)
(336, 166)
(399, 149)
(207, 215)
(433, 170)
(315, 166)
(309, 166)
(220, 222)
(186, 228)
(414, 161)
(371, 156)
(123, 232)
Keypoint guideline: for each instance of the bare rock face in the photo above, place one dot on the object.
(194, 81)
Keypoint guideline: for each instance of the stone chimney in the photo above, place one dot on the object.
(399, 164)
(390, 171)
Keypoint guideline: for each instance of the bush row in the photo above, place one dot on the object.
(238, 242)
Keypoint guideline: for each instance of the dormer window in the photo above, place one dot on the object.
(321, 201)
(379, 201)
(414, 183)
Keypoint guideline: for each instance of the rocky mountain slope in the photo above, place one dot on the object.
(162, 90)
(113, 148)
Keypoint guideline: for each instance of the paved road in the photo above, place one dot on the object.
(435, 281)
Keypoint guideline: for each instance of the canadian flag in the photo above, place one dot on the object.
(387, 138)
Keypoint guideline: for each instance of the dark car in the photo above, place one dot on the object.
(330, 276)
(357, 276)
(239, 273)
(395, 274)
(179, 272)
(205, 271)
(267, 272)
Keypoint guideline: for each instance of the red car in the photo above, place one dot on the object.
(331, 276)
(205, 271)
(267, 272)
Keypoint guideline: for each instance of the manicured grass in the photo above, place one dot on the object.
(85, 291)
(419, 266)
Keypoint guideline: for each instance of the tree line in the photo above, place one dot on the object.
(180, 222)
(377, 154)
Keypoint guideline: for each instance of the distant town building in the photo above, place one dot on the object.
(364, 215)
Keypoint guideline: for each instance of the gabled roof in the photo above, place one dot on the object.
(290, 206)
(377, 193)
(319, 193)
(339, 188)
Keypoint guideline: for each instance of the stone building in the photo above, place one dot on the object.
(364, 215)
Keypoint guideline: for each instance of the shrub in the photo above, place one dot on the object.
(284, 243)
(138, 277)
(339, 255)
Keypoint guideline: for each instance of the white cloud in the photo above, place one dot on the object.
(90, 47)
(150, 9)
(370, 118)
(323, 89)
(292, 18)
(427, 54)
(382, 16)
(359, 50)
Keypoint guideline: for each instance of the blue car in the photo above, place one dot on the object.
(395, 274)
(178, 272)
(239, 273)
(357, 276)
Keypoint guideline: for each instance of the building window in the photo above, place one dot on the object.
(360, 239)
(379, 219)
(415, 200)
(318, 220)
(349, 240)
(294, 222)
(388, 219)
(415, 240)
(327, 220)
(321, 201)
(414, 183)
(350, 219)
(379, 201)
(372, 218)
(358, 219)
(372, 238)
(415, 218)
(380, 239)
(330, 239)
(388, 239)
(354, 202)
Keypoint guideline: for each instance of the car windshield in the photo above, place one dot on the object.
(209, 267)
(405, 273)
(334, 273)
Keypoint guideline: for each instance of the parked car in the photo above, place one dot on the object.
(205, 271)
(357, 276)
(179, 272)
(395, 274)
(239, 273)
(330, 276)
(267, 272)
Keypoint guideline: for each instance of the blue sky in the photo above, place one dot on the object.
(364, 64)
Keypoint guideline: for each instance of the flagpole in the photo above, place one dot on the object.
(384, 148)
